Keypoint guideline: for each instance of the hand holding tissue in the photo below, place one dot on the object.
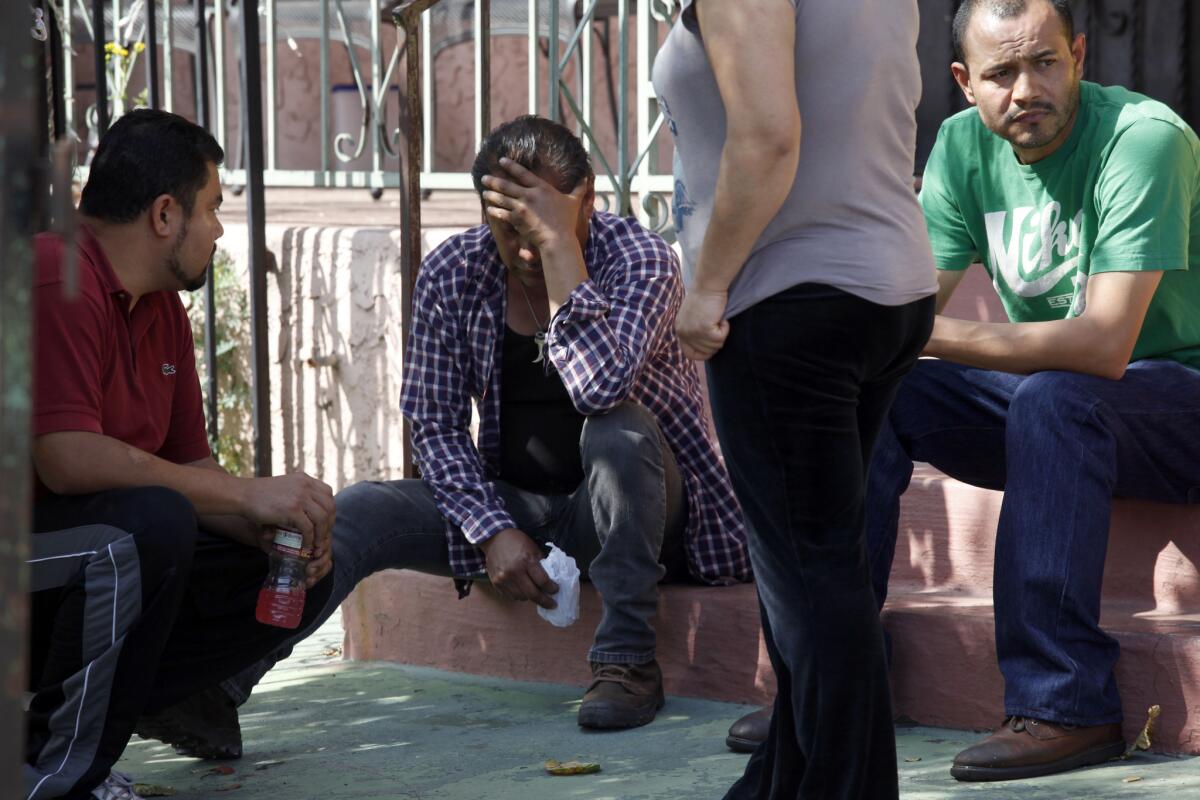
(562, 570)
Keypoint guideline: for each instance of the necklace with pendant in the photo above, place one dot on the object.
(539, 336)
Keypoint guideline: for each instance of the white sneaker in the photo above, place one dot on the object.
(117, 786)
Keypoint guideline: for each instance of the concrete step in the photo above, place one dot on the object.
(944, 668)
(947, 536)
(939, 610)
(709, 643)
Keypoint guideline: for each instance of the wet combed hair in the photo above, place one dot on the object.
(146, 154)
(1005, 9)
(537, 144)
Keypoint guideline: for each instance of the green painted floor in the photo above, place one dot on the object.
(322, 728)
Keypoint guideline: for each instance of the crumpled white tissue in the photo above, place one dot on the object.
(562, 570)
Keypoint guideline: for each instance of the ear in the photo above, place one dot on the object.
(587, 203)
(962, 76)
(1079, 52)
(165, 216)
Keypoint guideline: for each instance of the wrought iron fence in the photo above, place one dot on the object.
(359, 134)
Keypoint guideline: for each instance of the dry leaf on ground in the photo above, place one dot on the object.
(205, 772)
(1146, 738)
(571, 767)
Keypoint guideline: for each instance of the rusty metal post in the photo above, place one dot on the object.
(407, 16)
(101, 63)
(485, 65)
(252, 117)
(152, 91)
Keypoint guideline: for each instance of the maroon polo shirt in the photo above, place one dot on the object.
(102, 368)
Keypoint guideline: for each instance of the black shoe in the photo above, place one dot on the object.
(750, 731)
(204, 725)
(622, 696)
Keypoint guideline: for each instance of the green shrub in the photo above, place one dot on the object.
(233, 447)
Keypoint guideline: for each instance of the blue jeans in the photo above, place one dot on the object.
(1061, 445)
(624, 525)
(798, 394)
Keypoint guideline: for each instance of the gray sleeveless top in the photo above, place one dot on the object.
(852, 219)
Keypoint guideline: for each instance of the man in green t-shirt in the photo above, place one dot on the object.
(1083, 203)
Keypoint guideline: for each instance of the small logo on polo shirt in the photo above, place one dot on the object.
(168, 369)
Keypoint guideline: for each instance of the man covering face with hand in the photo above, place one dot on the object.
(557, 322)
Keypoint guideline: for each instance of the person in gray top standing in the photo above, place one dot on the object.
(810, 295)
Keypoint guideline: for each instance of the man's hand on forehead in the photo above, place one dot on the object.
(534, 207)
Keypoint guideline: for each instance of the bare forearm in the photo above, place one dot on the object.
(231, 526)
(1027, 347)
(752, 183)
(564, 268)
(78, 462)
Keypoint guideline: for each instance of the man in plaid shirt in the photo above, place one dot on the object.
(558, 322)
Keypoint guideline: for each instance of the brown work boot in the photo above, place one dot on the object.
(750, 731)
(622, 695)
(1029, 748)
(204, 725)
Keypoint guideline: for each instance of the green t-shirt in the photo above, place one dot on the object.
(1122, 194)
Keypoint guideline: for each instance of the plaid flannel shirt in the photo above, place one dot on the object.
(612, 341)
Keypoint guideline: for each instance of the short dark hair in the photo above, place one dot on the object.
(537, 144)
(146, 154)
(1005, 9)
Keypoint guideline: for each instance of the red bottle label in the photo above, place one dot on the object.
(291, 543)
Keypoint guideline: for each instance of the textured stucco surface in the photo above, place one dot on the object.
(334, 318)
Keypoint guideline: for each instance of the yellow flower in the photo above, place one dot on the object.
(139, 47)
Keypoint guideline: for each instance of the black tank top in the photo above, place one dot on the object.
(539, 426)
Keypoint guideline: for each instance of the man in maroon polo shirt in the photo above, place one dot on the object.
(147, 556)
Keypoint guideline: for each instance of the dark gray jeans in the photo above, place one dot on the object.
(624, 525)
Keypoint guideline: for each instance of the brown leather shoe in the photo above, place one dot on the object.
(622, 696)
(1029, 748)
(750, 731)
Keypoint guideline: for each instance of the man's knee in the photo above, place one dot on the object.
(1052, 399)
(372, 516)
(152, 508)
(363, 508)
(356, 505)
(625, 430)
(352, 501)
(165, 529)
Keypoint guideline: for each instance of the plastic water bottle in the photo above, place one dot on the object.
(281, 599)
